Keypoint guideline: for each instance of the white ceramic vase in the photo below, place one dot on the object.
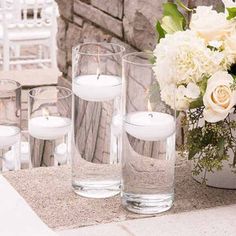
(225, 178)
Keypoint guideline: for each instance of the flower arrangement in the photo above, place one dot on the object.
(196, 61)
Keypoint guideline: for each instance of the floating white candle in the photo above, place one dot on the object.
(9, 135)
(116, 125)
(49, 127)
(60, 153)
(9, 160)
(97, 88)
(9, 157)
(24, 157)
(150, 126)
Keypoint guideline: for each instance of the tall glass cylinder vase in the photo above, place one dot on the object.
(97, 87)
(50, 125)
(148, 141)
(10, 121)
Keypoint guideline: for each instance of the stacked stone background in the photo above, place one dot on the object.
(127, 22)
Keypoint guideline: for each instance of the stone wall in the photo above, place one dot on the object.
(128, 22)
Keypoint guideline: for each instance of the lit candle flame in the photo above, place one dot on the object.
(150, 109)
(98, 62)
(45, 113)
(98, 72)
(149, 106)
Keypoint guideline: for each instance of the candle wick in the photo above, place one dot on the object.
(151, 115)
(98, 75)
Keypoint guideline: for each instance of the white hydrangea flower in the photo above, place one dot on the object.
(192, 91)
(180, 97)
(183, 57)
(230, 47)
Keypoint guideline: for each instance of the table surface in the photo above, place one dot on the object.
(48, 191)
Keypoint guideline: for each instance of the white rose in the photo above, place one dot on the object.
(219, 98)
(229, 3)
(209, 24)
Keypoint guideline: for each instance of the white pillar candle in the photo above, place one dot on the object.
(9, 135)
(97, 88)
(149, 126)
(49, 127)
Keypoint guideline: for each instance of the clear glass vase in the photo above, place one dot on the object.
(96, 76)
(148, 141)
(50, 125)
(10, 123)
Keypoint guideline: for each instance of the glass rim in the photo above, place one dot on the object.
(99, 54)
(70, 93)
(135, 55)
(18, 85)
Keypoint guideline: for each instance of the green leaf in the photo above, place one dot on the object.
(170, 25)
(161, 32)
(232, 13)
(171, 10)
(172, 21)
(203, 85)
(181, 4)
(192, 152)
(197, 103)
(151, 57)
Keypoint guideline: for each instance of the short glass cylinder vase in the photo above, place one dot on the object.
(50, 125)
(10, 123)
(96, 73)
(148, 140)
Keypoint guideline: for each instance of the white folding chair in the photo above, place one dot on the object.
(30, 26)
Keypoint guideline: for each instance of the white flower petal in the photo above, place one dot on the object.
(212, 116)
(229, 3)
(183, 58)
(215, 43)
(192, 91)
(210, 25)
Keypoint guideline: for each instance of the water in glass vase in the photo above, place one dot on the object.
(96, 168)
(96, 73)
(9, 148)
(50, 152)
(148, 174)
